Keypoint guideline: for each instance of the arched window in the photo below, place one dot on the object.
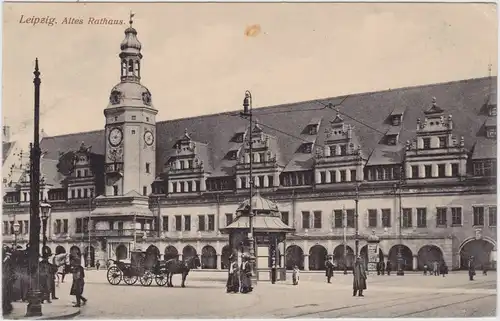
(131, 66)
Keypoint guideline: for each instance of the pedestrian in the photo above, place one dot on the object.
(78, 283)
(359, 278)
(233, 283)
(444, 268)
(382, 267)
(97, 265)
(425, 269)
(7, 281)
(435, 268)
(472, 269)
(45, 277)
(245, 274)
(329, 269)
(295, 275)
(388, 267)
(485, 269)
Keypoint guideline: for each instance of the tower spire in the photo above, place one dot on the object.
(130, 55)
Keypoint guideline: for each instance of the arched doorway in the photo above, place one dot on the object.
(480, 250)
(406, 256)
(364, 255)
(294, 256)
(429, 254)
(75, 251)
(226, 253)
(60, 250)
(208, 257)
(341, 260)
(171, 253)
(152, 255)
(187, 252)
(121, 252)
(89, 257)
(317, 257)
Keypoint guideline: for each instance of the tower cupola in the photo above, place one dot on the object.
(130, 55)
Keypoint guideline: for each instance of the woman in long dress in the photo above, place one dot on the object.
(245, 274)
(233, 282)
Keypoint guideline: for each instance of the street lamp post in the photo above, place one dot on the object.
(400, 247)
(16, 233)
(34, 307)
(247, 112)
(45, 210)
(356, 225)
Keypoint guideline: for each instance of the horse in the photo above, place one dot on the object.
(176, 266)
(62, 262)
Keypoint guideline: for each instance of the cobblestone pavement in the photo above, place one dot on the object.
(411, 295)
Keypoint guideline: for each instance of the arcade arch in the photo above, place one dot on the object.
(406, 255)
(208, 257)
(294, 256)
(317, 257)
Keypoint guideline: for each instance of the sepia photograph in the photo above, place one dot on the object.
(240, 160)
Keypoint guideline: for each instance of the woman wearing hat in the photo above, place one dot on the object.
(233, 282)
(245, 274)
(78, 282)
(359, 280)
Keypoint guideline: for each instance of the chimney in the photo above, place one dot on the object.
(6, 134)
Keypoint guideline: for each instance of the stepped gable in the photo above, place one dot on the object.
(463, 99)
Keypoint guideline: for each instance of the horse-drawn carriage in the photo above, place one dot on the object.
(143, 266)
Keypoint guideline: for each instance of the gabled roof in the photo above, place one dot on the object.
(463, 99)
(485, 148)
(6, 146)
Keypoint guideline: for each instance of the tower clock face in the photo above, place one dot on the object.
(149, 138)
(115, 137)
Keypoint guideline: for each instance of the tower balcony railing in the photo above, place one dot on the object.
(111, 168)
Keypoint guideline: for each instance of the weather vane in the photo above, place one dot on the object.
(131, 16)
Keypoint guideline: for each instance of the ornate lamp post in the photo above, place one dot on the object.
(34, 307)
(45, 211)
(16, 232)
(247, 112)
(397, 191)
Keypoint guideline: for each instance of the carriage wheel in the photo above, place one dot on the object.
(130, 280)
(114, 275)
(161, 279)
(146, 279)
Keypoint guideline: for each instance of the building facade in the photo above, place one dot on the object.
(417, 164)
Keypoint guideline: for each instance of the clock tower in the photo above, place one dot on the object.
(130, 126)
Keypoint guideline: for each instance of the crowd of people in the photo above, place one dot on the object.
(17, 277)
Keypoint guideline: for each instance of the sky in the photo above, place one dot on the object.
(199, 59)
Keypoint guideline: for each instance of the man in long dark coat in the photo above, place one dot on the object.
(45, 277)
(78, 283)
(329, 269)
(388, 267)
(245, 274)
(7, 281)
(472, 269)
(233, 282)
(359, 277)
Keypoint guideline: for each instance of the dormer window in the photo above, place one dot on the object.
(343, 150)
(307, 148)
(231, 155)
(312, 129)
(491, 132)
(391, 140)
(238, 138)
(396, 120)
(492, 110)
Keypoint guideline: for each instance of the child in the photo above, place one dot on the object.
(295, 275)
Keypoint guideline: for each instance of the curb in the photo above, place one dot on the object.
(62, 317)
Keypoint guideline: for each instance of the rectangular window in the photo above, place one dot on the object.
(492, 216)
(353, 175)
(427, 143)
(285, 217)
(350, 218)
(441, 213)
(211, 222)
(133, 131)
(26, 227)
(442, 142)
(478, 169)
(454, 170)
(262, 157)
(229, 218)
(115, 190)
(147, 168)
(12, 227)
(133, 117)
(84, 193)
(372, 218)
(5, 227)
(20, 227)
(333, 150)
(79, 192)
(190, 186)
(78, 173)
(182, 186)
(306, 218)
(343, 150)
(428, 171)
(178, 223)
(317, 219)
(201, 222)
(86, 173)
(386, 217)
(478, 216)
(414, 171)
(441, 170)
(187, 222)
(165, 223)
(407, 217)
(456, 216)
(342, 176)
(65, 226)
(322, 176)
(421, 217)
(243, 182)
(145, 190)
(338, 219)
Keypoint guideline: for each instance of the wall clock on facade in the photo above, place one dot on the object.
(149, 138)
(115, 137)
